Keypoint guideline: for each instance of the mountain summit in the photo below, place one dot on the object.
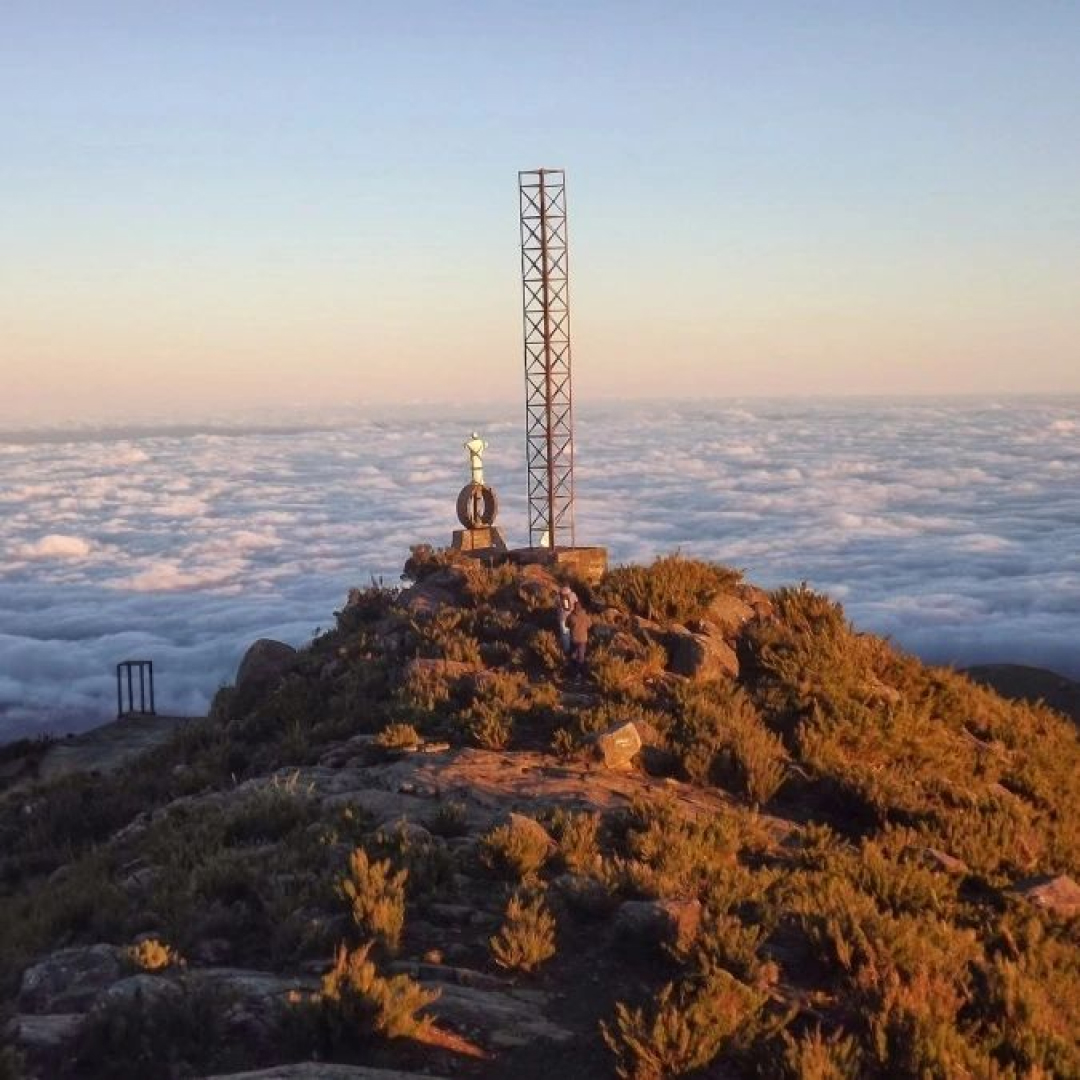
(747, 840)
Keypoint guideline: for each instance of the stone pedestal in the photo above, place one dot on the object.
(587, 563)
(481, 538)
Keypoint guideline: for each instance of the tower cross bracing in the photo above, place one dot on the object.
(549, 413)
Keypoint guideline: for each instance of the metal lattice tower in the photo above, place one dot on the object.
(549, 413)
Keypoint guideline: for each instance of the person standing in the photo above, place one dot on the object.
(579, 625)
(565, 605)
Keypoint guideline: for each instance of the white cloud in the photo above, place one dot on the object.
(954, 528)
(54, 546)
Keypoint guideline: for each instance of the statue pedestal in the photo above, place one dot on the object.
(587, 563)
(480, 538)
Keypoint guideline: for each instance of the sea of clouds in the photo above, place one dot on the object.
(953, 527)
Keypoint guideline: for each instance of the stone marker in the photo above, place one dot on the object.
(618, 745)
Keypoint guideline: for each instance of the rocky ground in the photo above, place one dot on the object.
(752, 842)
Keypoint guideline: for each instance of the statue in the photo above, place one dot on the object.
(476, 447)
(477, 506)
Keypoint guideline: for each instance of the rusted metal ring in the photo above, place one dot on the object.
(477, 506)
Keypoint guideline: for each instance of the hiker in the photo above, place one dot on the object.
(565, 604)
(578, 624)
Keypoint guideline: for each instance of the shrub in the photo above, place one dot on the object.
(488, 725)
(627, 679)
(153, 955)
(12, 1063)
(547, 652)
(450, 819)
(683, 1030)
(565, 745)
(527, 936)
(154, 1037)
(576, 836)
(398, 737)
(376, 896)
(718, 736)
(516, 850)
(671, 589)
(354, 1001)
(424, 560)
(426, 861)
(669, 856)
(813, 1056)
(269, 813)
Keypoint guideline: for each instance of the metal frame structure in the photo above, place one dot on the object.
(549, 412)
(145, 669)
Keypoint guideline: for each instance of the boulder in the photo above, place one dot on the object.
(759, 601)
(1060, 895)
(261, 670)
(149, 989)
(658, 922)
(502, 1020)
(700, 657)
(617, 745)
(428, 596)
(70, 980)
(46, 1034)
(727, 613)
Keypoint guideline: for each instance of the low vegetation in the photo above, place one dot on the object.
(355, 1003)
(527, 936)
(827, 853)
(375, 893)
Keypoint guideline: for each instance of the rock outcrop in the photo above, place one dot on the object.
(261, 670)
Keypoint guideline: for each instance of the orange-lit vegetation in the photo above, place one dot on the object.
(849, 826)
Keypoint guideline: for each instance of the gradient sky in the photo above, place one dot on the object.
(214, 205)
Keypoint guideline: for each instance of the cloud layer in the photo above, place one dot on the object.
(954, 528)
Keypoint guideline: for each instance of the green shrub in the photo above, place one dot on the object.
(576, 836)
(671, 589)
(156, 1037)
(355, 1002)
(813, 1056)
(668, 856)
(425, 560)
(547, 652)
(516, 850)
(718, 737)
(488, 725)
(427, 862)
(376, 897)
(527, 936)
(398, 737)
(450, 819)
(565, 745)
(627, 679)
(269, 813)
(684, 1029)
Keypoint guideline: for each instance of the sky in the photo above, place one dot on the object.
(221, 206)
(951, 526)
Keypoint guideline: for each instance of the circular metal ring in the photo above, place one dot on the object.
(477, 506)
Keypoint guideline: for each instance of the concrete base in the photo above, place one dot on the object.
(483, 538)
(588, 563)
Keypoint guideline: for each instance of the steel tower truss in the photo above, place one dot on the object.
(549, 413)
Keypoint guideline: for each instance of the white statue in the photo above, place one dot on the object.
(476, 447)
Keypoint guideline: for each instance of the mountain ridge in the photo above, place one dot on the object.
(418, 844)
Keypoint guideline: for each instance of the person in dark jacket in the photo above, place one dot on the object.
(579, 624)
